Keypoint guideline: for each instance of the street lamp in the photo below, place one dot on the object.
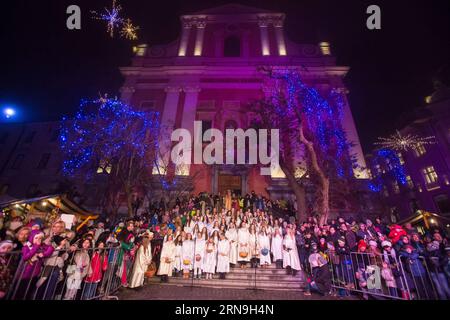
(9, 112)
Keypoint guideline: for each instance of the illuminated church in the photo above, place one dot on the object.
(209, 74)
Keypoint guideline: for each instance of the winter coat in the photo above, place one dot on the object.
(413, 264)
(32, 263)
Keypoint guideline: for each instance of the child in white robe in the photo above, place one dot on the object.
(167, 259)
(223, 256)
(209, 265)
(243, 245)
(291, 260)
(199, 255)
(187, 255)
(264, 245)
(142, 261)
(277, 248)
(231, 235)
(178, 263)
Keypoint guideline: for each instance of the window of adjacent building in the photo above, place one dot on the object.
(443, 203)
(18, 161)
(409, 182)
(30, 136)
(232, 46)
(4, 189)
(3, 137)
(419, 150)
(400, 158)
(430, 175)
(395, 187)
(104, 167)
(44, 161)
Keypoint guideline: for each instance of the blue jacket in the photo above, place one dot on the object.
(412, 263)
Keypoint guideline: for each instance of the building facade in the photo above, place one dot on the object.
(427, 168)
(210, 74)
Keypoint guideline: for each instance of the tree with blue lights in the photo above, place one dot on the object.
(110, 137)
(310, 126)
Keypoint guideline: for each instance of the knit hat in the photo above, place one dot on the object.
(373, 243)
(386, 244)
(33, 235)
(362, 244)
(408, 246)
(433, 246)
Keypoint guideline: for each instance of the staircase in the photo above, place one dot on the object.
(269, 278)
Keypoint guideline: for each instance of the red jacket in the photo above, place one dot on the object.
(99, 264)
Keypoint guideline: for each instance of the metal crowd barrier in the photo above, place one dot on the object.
(65, 275)
(382, 277)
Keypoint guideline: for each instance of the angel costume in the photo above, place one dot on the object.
(141, 263)
(244, 244)
(290, 254)
(232, 236)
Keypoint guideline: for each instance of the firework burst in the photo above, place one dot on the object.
(404, 143)
(129, 30)
(111, 16)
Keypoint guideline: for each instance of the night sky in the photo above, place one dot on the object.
(45, 69)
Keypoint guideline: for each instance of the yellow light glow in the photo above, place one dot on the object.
(325, 48)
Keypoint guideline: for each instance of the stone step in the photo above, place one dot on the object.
(259, 270)
(231, 283)
(271, 277)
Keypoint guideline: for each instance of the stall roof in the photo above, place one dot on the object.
(65, 206)
(419, 215)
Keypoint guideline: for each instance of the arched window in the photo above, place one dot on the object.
(232, 46)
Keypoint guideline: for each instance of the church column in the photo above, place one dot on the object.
(349, 127)
(279, 35)
(201, 24)
(189, 113)
(263, 25)
(187, 25)
(167, 123)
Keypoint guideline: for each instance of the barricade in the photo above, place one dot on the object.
(81, 274)
(387, 277)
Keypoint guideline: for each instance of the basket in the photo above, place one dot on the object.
(264, 251)
(198, 257)
(243, 254)
(151, 270)
(186, 262)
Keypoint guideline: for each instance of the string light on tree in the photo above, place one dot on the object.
(129, 31)
(399, 142)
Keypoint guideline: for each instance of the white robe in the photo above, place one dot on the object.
(231, 235)
(177, 264)
(254, 245)
(199, 250)
(209, 264)
(277, 247)
(290, 257)
(141, 263)
(244, 244)
(264, 243)
(187, 253)
(223, 256)
(168, 251)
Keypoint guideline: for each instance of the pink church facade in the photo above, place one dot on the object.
(210, 74)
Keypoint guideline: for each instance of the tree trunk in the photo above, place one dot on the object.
(299, 192)
(324, 181)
